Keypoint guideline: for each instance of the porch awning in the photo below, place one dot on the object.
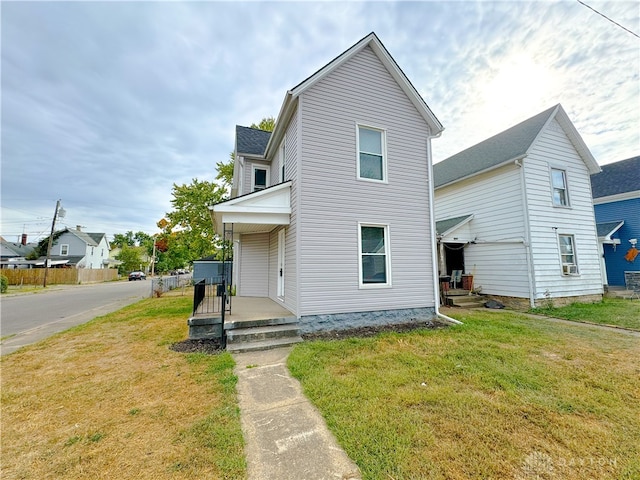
(606, 229)
(255, 212)
(447, 226)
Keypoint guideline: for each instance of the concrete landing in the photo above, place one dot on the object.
(286, 437)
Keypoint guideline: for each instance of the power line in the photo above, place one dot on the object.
(612, 21)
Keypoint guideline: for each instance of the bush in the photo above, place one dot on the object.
(4, 283)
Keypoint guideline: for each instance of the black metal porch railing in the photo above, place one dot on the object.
(211, 296)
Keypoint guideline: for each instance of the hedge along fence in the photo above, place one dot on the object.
(68, 276)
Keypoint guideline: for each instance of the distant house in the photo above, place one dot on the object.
(616, 200)
(13, 254)
(331, 213)
(75, 248)
(515, 211)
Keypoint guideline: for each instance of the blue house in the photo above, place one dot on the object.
(616, 200)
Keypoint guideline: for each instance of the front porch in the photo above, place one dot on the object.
(250, 323)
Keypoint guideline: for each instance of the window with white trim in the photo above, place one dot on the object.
(559, 185)
(568, 254)
(282, 161)
(375, 268)
(64, 249)
(260, 178)
(372, 162)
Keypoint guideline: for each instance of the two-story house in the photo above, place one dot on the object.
(616, 201)
(74, 247)
(332, 211)
(515, 211)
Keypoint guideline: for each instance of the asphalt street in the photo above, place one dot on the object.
(30, 317)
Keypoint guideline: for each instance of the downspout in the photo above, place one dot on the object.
(434, 247)
(527, 234)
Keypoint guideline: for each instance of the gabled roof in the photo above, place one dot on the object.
(16, 249)
(91, 239)
(387, 60)
(447, 225)
(508, 146)
(251, 141)
(617, 178)
(606, 229)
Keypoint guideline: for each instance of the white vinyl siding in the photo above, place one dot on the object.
(254, 265)
(332, 200)
(554, 150)
(498, 257)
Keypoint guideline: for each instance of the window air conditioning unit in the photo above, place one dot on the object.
(569, 269)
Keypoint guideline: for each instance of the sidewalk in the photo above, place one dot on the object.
(286, 437)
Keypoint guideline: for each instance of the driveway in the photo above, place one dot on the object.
(31, 317)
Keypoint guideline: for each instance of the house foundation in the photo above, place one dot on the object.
(344, 321)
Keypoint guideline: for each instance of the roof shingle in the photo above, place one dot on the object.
(616, 178)
(251, 141)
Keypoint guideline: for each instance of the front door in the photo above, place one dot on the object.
(281, 263)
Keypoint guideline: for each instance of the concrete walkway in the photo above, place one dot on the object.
(286, 437)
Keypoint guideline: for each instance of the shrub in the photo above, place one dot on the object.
(4, 283)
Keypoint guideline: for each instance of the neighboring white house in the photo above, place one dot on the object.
(331, 216)
(73, 247)
(515, 211)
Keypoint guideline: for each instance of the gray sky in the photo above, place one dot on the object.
(106, 105)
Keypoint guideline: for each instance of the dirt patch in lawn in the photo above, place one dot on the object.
(205, 345)
(372, 330)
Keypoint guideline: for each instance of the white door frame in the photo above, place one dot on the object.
(281, 263)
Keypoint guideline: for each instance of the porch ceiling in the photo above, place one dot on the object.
(256, 212)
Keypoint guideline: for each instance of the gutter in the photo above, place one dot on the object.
(434, 246)
(527, 231)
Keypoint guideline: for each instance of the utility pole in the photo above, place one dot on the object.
(48, 259)
(153, 257)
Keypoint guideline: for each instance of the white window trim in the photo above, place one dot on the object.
(567, 272)
(253, 176)
(384, 153)
(64, 254)
(566, 186)
(387, 252)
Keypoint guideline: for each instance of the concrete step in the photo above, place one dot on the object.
(469, 301)
(263, 344)
(255, 334)
(260, 323)
(623, 294)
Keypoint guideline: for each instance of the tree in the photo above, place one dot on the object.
(188, 229)
(131, 259)
(225, 169)
(131, 239)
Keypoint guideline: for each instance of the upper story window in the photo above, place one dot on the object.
(372, 162)
(559, 185)
(283, 161)
(64, 249)
(259, 179)
(568, 255)
(375, 268)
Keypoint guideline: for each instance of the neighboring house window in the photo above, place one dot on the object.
(559, 184)
(568, 255)
(64, 249)
(373, 243)
(371, 154)
(259, 178)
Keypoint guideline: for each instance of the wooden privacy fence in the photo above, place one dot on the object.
(69, 276)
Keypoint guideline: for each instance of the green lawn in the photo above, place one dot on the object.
(611, 311)
(502, 396)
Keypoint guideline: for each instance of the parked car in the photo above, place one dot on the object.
(137, 276)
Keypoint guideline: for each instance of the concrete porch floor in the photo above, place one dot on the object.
(244, 309)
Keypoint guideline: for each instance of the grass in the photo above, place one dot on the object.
(502, 396)
(109, 399)
(611, 311)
